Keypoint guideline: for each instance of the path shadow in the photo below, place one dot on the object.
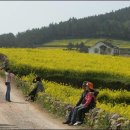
(19, 102)
(8, 126)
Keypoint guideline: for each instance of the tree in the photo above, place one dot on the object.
(77, 46)
(110, 25)
(70, 46)
(82, 47)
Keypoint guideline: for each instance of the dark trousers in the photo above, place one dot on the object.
(7, 96)
(33, 94)
(73, 115)
(81, 113)
(77, 114)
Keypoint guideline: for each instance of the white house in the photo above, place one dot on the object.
(104, 47)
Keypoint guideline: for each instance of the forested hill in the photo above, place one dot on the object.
(110, 25)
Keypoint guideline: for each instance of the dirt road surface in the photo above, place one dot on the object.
(20, 114)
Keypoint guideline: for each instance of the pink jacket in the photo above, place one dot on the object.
(89, 98)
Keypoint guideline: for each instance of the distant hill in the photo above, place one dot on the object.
(114, 25)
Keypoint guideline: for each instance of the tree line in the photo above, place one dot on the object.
(115, 25)
(78, 46)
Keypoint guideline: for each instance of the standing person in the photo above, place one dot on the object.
(9, 76)
(38, 88)
(72, 118)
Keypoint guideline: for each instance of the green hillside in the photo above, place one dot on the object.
(88, 42)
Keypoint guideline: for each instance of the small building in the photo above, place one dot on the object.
(104, 47)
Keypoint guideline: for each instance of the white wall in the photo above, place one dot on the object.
(92, 49)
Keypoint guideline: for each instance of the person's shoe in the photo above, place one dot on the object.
(32, 100)
(70, 123)
(9, 101)
(77, 123)
(27, 99)
(66, 122)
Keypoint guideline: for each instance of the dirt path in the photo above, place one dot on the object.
(21, 114)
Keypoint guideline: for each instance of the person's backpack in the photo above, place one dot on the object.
(93, 102)
(96, 93)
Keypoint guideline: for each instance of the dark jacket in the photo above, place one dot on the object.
(82, 98)
(83, 95)
(39, 87)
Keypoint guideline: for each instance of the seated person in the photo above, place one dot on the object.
(86, 102)
(38, 88)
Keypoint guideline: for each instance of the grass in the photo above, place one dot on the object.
(88, 42)
(69, 95)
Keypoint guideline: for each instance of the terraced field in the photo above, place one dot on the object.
(88, 42)
(64, 72)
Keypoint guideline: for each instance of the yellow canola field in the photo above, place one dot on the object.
(58, 59)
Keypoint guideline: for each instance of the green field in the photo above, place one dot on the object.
(88, 42)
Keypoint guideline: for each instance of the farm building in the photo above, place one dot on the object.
(104, 47)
